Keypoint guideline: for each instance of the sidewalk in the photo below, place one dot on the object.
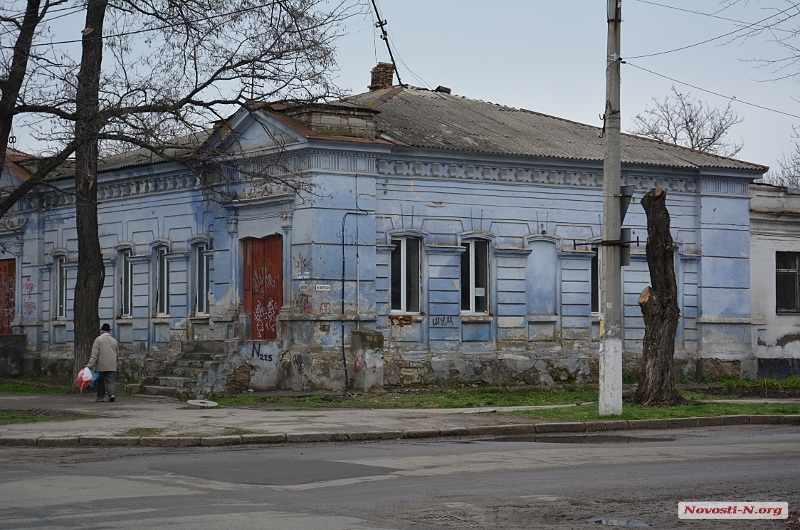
(185, 426)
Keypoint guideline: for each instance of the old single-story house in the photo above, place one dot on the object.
(435, 239)
(775, 276)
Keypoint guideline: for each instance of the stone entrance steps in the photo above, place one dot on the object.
(179, 378)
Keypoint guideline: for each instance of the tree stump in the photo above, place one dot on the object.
(659, 305)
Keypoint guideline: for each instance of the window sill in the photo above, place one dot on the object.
(414, 317)
(476, 318)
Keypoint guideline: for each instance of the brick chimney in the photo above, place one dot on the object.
(382, 76)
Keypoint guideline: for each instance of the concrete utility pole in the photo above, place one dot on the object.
(611, 282)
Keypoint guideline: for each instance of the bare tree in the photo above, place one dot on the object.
(682, 120)
(151, 71)
(788, 172)
(659, 305)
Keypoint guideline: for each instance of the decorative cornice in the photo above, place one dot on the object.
(529, 175)
(10, 224)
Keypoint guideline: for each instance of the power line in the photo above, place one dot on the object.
(711, 15)
(754, 24)
(730, 98)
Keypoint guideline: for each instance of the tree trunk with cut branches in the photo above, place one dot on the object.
(659, 304)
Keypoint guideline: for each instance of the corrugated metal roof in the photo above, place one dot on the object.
(422, 118)
(175, 149)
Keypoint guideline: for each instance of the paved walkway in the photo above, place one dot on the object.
(178, 424)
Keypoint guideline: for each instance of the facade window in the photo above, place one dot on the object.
(475, 277)
(60, 277)
(405, 275)
(787, 282)
(126, 285)
(202, 285)
(594, 284)
(162, 281)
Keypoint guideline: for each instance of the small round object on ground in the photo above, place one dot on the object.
(201, 404)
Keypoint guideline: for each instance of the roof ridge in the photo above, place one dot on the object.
(691, 150)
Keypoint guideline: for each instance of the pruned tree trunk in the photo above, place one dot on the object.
(659, 304)
(91, 272)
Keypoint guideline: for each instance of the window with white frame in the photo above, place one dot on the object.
(405, 273)
(475, 277)
(787, 282)
(126, 284)
(202, 285)
(162, 281)
(60, 279)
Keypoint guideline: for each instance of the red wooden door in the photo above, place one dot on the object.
(263, 285)
(8, 281)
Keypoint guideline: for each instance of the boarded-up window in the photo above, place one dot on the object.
(787, 267)
(8, 289)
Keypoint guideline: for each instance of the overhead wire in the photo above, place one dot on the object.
(731, 98)
(710, 15)
(728, 34)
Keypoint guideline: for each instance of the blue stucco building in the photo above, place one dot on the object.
(412, 237)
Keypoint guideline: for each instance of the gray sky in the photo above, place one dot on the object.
(549, 56)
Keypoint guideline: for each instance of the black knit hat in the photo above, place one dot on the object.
(105, 327)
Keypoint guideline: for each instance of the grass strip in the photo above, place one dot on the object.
(445, 398)
(8, 417)
(33, 385)
(637, 412)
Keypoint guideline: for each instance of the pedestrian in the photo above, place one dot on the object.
(104, 357)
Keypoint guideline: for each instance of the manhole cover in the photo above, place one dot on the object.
(581, 439)
(201, 404)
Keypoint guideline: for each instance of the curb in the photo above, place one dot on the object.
(589, 427)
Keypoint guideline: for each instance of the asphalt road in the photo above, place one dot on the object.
(404, 484)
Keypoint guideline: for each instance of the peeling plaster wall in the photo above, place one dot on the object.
(774, 227)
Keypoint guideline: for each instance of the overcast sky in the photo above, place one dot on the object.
(549, 56)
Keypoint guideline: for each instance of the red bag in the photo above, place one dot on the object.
(84, 378)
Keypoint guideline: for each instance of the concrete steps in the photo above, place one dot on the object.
(179, 377)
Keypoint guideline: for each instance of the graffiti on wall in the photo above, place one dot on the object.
(265, 317)
(29, 306)
(360, 364)
(263, 277)
(304, 303)
(299, 364)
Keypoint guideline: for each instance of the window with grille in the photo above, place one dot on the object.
(787, 267)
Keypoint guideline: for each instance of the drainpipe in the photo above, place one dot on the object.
(344, 357)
